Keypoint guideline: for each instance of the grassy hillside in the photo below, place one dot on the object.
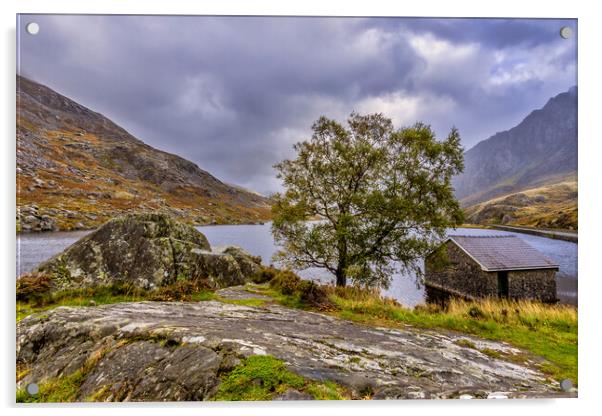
(552, 205)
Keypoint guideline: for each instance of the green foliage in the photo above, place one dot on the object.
(466, 343)
(58, 390)
(258, 377)
(286, 281)
(381, 195)
(312, 294)
(261, 377)
(264, 275)
(328, 390)
(307, 292)
(475, 312)
(439, 258)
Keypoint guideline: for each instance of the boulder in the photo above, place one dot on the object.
(249, 265)
(148, 250)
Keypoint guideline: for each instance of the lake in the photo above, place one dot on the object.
(33, 248)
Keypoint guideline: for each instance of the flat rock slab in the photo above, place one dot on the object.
(176, 351)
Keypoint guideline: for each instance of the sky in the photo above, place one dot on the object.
(233, 94)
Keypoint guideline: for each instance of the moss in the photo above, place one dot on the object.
(262, 377)
(99, 395)
(22, 372)
(466, 343)
(258, 377)
(328, 390)
(355, 360)
(58, 390)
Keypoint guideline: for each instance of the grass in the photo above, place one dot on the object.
(262, 377)
(116, 293)
(549, 206)
(548, 331)
(257, 303)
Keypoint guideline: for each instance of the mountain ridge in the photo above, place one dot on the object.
(77, 168)
(510, 161)
(526, 175)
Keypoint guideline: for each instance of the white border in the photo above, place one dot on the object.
(590, 152)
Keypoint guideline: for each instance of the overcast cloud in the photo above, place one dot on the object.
(234, 93)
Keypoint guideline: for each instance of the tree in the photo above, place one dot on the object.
(382, 198)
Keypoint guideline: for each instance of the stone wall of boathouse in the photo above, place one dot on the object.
(458, 273)
(532, 284)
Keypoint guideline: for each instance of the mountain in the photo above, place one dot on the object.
(76, 169)
(526, 175)
(542, 149)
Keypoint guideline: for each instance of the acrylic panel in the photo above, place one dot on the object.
(295, 208)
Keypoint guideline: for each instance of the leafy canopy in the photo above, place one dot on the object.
(381, 198)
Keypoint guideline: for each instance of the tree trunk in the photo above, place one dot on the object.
(341, 278)
(342, 263)
(342, 253)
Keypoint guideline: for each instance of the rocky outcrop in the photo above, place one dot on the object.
(177, 351)
(148, 250)
(249, 265)
(31, 218)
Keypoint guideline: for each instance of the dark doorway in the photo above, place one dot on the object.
(502, 284)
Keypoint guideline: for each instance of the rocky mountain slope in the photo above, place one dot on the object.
(526, 175)
(76, 169)
(540, 150)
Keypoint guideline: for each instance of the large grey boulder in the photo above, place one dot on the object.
(148, 250)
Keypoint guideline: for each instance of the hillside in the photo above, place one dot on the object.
(540, 150)
(526, 175)
(76, 169)
(548, 206)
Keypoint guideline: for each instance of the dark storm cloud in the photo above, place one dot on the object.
(233, 94)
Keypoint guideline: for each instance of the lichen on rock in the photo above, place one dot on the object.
(148, 250)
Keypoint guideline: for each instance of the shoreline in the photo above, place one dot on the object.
(555, 235)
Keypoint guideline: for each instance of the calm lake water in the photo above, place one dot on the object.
(34, 248)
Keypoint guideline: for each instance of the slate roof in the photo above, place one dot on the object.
(506, 252)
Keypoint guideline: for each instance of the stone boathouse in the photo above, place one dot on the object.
(489, 266)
